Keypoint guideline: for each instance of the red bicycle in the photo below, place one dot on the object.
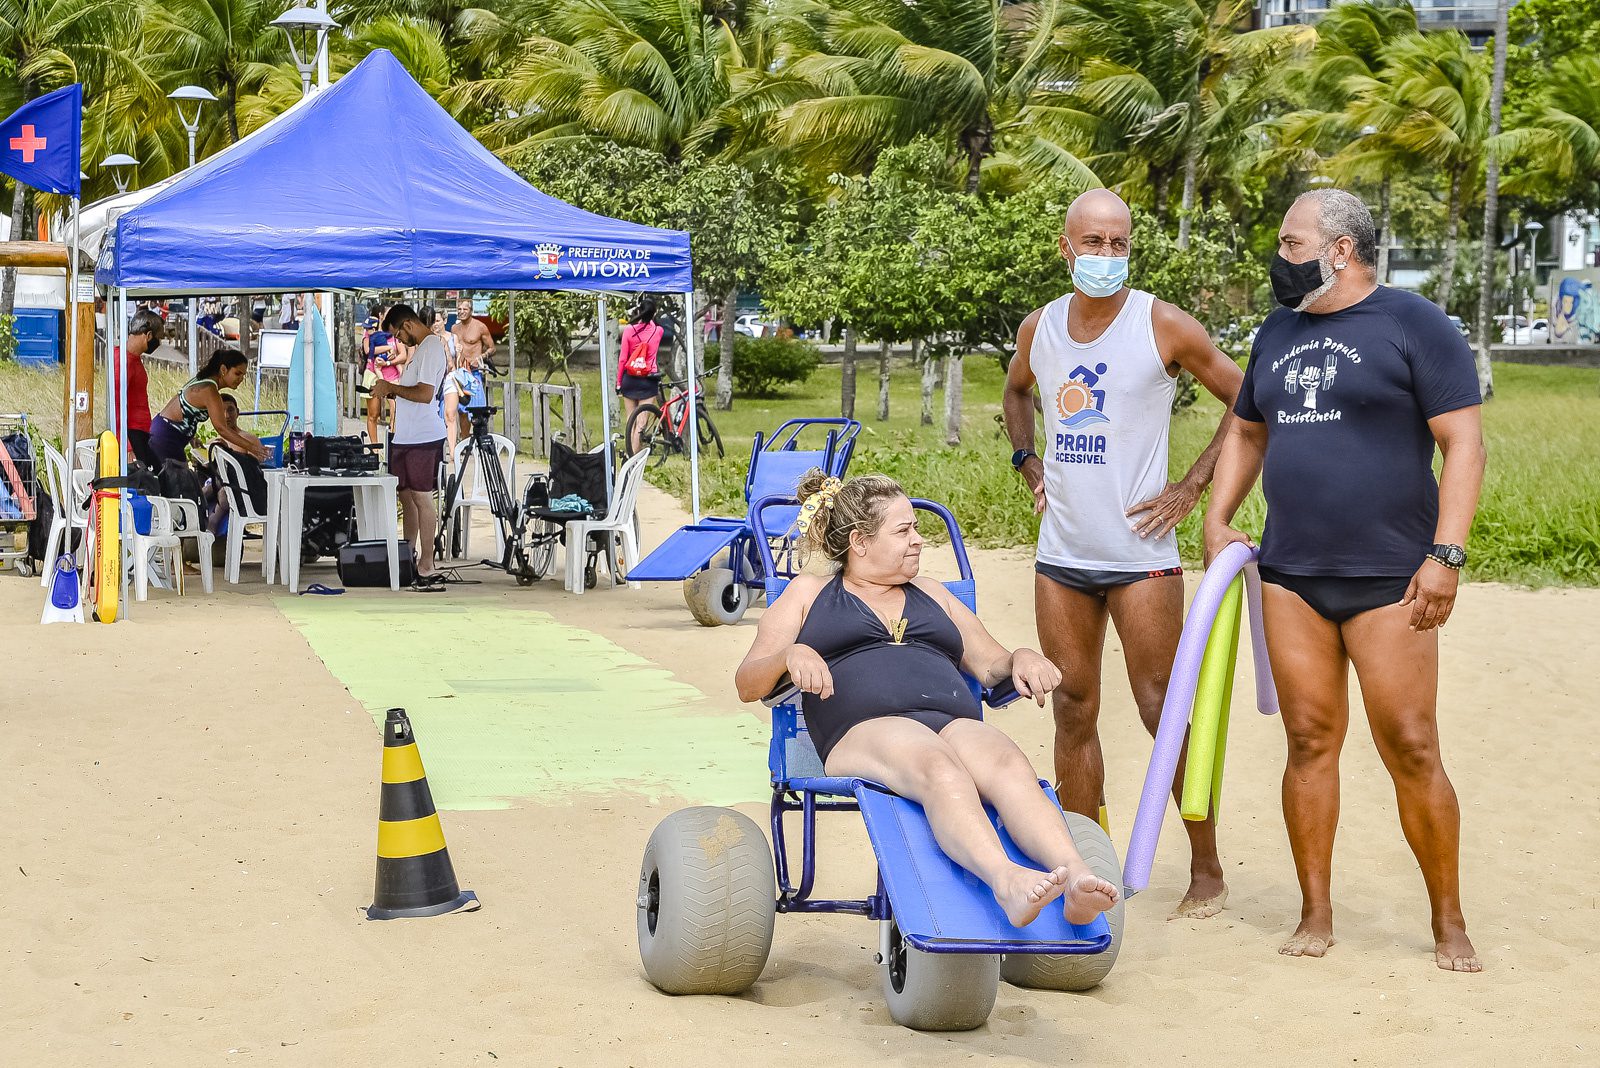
(668, 432)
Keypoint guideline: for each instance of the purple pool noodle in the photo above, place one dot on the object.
(1266, 689)
(1181, 684)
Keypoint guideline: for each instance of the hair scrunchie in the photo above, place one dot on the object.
(819, 500)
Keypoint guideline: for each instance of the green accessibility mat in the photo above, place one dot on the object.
(510, 704)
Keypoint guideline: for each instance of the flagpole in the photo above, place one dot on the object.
(69, 430)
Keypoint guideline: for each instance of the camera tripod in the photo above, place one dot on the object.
(510, 518)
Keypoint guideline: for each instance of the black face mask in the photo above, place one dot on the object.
(1292, 283)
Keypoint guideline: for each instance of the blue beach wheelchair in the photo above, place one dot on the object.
(716, 558)
(710, 888)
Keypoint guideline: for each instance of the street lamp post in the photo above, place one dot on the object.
(117, 163)
(307, 29)
(191, 125)
(1533, 229)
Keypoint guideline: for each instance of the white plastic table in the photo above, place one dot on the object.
(286, 499)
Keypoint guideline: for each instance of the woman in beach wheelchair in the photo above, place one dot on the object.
(878, 654)
(874, 676)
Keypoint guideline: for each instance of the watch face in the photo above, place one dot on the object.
(1456, 556)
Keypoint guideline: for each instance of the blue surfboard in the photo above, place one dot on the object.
(327, 407)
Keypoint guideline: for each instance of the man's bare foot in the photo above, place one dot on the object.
(1204, 899)
(1027, 892)
(1311, 939)
(1088, 896)
(1453, 951)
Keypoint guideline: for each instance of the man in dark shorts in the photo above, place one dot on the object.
(416, 448)
(1350, 386)
(1105, 360)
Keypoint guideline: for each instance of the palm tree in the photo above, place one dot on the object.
(1557, 142)
(1352, 42)
(866, 75)
(225, 45)
(52, 43)
(1431, 100)
(1164, 90)
(643, 73)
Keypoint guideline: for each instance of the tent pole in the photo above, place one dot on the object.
(605, 400)
(694, 412)
(122, 452)
(507, 423)
(308, 371)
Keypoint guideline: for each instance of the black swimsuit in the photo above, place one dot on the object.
(872, 677)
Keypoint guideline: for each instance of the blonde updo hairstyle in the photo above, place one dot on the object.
(857, 505)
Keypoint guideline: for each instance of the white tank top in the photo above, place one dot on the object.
(1107, 410)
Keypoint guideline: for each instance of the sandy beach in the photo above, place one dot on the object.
(193, 803)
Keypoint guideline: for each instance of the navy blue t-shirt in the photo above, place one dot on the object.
(1346, 397)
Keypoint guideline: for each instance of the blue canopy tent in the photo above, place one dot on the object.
(370, 184)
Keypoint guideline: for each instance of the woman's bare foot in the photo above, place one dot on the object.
(1452, 950)
(1025, 893)
(1088, 896)
(1312, 938)
(1205, 898)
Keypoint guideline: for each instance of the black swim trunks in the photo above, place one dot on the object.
(1338, 598)
(1096, 583)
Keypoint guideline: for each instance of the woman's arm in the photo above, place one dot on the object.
(775, 653)
(211, 401)
(452, 425)
(985, 659)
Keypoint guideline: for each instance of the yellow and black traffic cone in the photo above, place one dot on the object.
(414, 873)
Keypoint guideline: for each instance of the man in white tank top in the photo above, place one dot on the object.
(1105, 360)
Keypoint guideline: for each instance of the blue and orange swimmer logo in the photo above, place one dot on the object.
(1078, 403)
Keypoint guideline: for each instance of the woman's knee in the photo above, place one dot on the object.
(938, 770)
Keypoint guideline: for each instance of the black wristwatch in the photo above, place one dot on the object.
(1452, 556)
(1020, 457)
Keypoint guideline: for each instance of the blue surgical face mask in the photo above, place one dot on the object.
(1098, 276)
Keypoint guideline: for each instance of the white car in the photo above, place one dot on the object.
(751, 324)
(1524, 334)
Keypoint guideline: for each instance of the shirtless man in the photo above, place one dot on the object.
(1105, 359)
(474, 343)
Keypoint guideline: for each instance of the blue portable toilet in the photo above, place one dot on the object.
(38, 332)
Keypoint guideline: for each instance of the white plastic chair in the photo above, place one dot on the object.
(241, 512)
(166, 537)
(86, 455)
(617, 524)
(473, 493)
(71, 512)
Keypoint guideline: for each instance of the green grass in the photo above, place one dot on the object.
(1538, 523)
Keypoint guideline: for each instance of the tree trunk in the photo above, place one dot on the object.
(979, 142)
(725, 347)
(1491, 208)
(930, 380)
(1159, 183)
(1191, 165)
(952, 399)
(1452, 242)
(1384, 217)
(230, 100)
(245, 323)
(883, 381)
(847, 376)
(8, 284)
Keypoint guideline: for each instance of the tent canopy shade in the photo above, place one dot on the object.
(370, 184)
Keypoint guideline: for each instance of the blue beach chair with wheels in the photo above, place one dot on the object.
(710, 888)
(715, 558)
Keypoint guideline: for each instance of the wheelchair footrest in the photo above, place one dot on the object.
(940, 907)
(686, 552)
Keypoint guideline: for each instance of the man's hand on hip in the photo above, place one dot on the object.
(1163, 512)
(1431, 595)
(1032, 471)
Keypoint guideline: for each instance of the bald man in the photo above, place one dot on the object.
(1105, 360)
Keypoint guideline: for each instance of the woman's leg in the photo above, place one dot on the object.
(372, 418)
(628, 405)
(1003, 777)
(915, 763)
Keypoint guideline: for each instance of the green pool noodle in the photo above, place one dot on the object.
(1210, 699)
(1222, 725)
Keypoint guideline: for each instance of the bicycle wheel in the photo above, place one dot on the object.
(708, 433)
(645, 427)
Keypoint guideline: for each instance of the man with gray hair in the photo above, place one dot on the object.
(1350, 387)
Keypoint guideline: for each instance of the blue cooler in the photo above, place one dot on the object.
(38, 332)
